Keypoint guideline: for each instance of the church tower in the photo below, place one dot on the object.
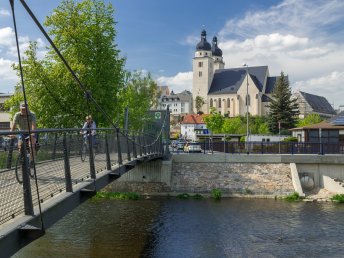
(217, 55)
(203, 71)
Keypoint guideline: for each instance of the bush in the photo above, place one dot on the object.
(290, 139)
(216, 194)
(294, 197)
(183, 196)
(338, 198)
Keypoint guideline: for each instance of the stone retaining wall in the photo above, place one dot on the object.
(232, 178)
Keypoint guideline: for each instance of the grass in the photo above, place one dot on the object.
(216, 194)
(117, 195)
(338, 198)
(294, 197)
(185, 196)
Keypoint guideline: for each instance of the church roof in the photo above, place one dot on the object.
(228, 81)
(203, 44)
(318, 103)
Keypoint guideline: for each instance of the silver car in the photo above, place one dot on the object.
(192, 147)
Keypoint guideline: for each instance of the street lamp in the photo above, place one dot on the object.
(247, 127)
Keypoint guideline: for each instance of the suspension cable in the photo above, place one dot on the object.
(27, 113)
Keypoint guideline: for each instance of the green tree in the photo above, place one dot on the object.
(84, 32)
(139, 94)
(233, 125)
(214, 121)
(283, 108)
(309, 120)
(199, 101)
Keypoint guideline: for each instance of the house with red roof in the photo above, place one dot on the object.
(192, 125)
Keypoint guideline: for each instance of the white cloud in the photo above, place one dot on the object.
(6, 37)
(4, 12)
(7, 75)
(178, 83)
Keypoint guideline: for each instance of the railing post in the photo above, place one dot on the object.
(90, 150)
(134, 147)
(107, 152)
(128, 149)
(28, 205)
(140, 145)
(54, 147)
(10, 154)
(120, 161)
(68, 177)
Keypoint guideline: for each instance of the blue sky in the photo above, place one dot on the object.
(303, 38)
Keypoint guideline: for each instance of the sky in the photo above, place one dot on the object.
(302, 38)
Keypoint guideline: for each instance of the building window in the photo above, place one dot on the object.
(211, 102)
(5, 125)
(200, 64)
(219, 102)
(206, 53)
(228, 103)
(248, 100)
(199, 74)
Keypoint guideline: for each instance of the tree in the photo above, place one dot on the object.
(309, 120)
(139, 94)
(84, 33)
(214, 121)
(199, 101)
(233, 125)
(283, 108)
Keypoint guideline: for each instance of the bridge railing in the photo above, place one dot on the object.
(273, 147)
(61, 163)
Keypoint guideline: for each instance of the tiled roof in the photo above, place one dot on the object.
(266, 98)
(193, 119)
(229, 80)
(322, 125)
(318, 103)
(338, 119)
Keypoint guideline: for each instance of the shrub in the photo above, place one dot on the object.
(338, 198)
(197, 197)
(294, 197)
(216, 194)
(183, 196)
(290, 139)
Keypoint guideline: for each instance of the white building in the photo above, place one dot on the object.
(179, 104)
(192, 125)
(5, 117)
(226, 89)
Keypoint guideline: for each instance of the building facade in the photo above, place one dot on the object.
(226, 90)
(179, 104)
(5, 117)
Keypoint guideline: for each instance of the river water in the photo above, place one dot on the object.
(169, 227)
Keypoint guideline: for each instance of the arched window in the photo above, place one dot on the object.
(228, 103)
(215, 103)
(219, 102)
(248, 100)
(211, 102)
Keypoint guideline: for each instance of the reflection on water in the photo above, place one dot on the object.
(190, 228)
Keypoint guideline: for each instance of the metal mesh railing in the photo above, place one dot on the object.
(60, 164)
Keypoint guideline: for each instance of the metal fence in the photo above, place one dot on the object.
(60, 163)
(273, 147)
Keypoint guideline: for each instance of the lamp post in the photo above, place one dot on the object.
(247, 127)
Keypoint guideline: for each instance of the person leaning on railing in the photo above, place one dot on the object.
(20, 120)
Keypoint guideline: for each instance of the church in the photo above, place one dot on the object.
(227, 90)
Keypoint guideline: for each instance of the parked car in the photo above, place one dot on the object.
(180, 145)
(193, 147)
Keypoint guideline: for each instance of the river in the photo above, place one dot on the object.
(173, 228)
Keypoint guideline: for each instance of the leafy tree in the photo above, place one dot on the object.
(214, 121)
(233, 125)
(309, 120)
(139, 94)
(199, 101)
(84, 33)
(283, 108)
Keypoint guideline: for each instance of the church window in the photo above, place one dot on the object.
(248, 100)
(199, 74)
(206, 53)
(228, 103)
(219, 102)
(200, 64)
(211, 102)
